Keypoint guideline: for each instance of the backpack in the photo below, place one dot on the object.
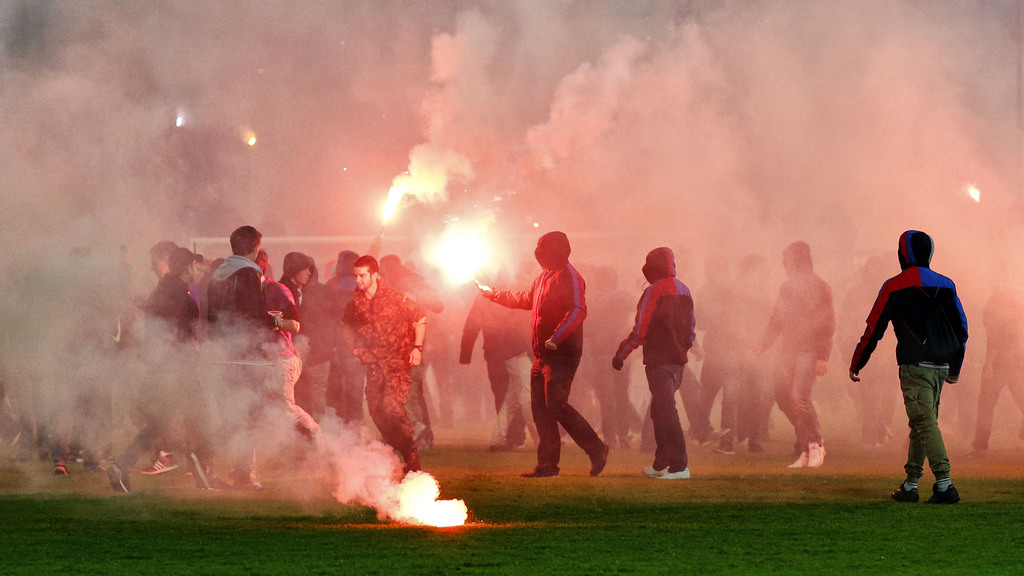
(940, 341)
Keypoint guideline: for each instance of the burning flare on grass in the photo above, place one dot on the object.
(418, 503)
(367, 473)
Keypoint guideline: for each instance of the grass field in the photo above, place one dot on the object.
(741, 514)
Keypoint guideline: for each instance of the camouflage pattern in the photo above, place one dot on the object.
(384, 325)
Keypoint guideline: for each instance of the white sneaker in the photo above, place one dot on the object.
(801, 462)
(815, 455)
(650, 472)
(683, 474)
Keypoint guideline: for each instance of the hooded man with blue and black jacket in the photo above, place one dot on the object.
(905, 300)
(665, 328)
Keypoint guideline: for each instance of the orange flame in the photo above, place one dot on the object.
(418, 503)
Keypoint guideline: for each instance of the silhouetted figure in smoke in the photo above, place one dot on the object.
(876, 396)
(390, 329)
(754, 400)
(665, 328)
(347, 377)
(239, 330)
(172, 383)
(1003, 318)
(913, 300)
(607, 316)
(804, 320)
(83, 394)
(557, 301)
(165, 459)
(416, 288)
(506, 346)
(725, 366)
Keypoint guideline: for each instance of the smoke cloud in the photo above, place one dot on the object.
(720, 129)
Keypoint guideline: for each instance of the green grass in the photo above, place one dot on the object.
(743, 514)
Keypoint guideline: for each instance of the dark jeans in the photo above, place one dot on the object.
(663, 381)
(550, 384)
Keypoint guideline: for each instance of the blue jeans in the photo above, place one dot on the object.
(663, 381)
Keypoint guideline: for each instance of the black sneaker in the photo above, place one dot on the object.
(541, 473)
(949, 496)
(903, 495)
(599, 460)
(118, 480)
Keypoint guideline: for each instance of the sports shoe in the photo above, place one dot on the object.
(683, 474)
(902, 495)
(652, 472)
(60, 470)
(976, 454)
(541, 473)
(949, 496)
(164, 462)
(247, 485)
(599, 461)
(815, 455)
(118, 480)
(725, 448)
(715, 436)
(203, 475)
(801, 462)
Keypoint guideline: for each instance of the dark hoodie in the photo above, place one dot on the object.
(295, 262)
(803, 316)
(903, 300)
(664, 315)
(557, 299)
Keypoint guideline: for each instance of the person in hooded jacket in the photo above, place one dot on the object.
(665, 328)
(905, 300)
(804, 319)
(558, 307)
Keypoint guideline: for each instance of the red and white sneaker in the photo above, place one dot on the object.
(164, 463)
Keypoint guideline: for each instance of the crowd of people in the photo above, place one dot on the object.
(230, 355)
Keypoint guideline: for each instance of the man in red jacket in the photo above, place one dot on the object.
(558, 307)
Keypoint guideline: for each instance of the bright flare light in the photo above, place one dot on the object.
(418, 503)
(461, 252)
(395, 195)
(974, 193)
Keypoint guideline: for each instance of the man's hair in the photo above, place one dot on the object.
(162, 250)
(367, 261)
(244, 240)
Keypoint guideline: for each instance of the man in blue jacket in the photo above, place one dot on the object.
(665, 328)
(906, 300)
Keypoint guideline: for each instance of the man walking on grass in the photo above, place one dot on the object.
(912, 300)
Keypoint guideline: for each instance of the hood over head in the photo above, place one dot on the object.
(552, 250)
(915, 249)
(661, 264)
(343, 266)
(295, 262)
(796, 258)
